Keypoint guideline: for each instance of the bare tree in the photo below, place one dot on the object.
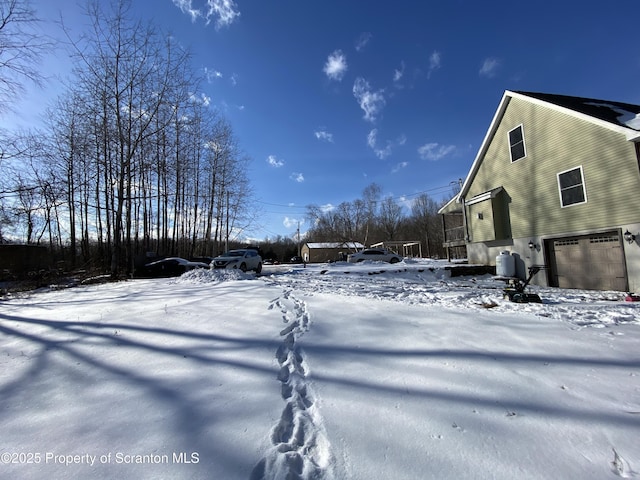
(349, 221)
(390, 218)
(135, 75)
(19, 195)
(425, 221)
(135, 161)
(21, 49)
(66, 138)
(371, 198)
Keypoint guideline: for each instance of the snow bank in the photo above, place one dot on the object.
(202, 275)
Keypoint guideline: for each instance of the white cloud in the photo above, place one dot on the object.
(292, 222)
(398, 74)
(371, 138)
(297, 177)
(327, 207)
(201, 99)
(435, 151)
(185, 7)
(211, 75)
(336, 65)
(399, 167)
(226, 106)
(435, 61)
(274, 162)
(370, 102)
(324, 135)
(224, 11)
(362, 41)
(405, 202)
(383, 152)
(489, 67)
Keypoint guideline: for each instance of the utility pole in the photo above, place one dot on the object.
(226, 249)
(298, 233)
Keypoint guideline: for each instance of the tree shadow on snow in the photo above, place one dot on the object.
(467, 361)
(54, 344)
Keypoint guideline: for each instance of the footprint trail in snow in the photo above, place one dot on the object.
(300, 449)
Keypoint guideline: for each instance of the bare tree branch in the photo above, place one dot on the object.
(21, 49)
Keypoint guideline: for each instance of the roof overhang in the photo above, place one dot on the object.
(495, 122)
(449, 207)
(634, 137)
(484, 196)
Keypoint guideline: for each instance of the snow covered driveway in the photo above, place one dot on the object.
(335, 372)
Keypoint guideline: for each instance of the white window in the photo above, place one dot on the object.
(571, 185)
(516, 143)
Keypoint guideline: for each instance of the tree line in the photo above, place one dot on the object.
(131, 159)
(374, 218)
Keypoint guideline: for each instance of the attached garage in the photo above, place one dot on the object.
(593, 262)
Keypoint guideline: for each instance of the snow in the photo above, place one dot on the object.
(333, 371)
(632, 121)
(351, 245)
(625, 117)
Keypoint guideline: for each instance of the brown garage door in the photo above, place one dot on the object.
(591, 261)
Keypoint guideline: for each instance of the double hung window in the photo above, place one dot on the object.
(516, 143)
(571, 185)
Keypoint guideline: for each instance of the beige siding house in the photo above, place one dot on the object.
(319, 252)
(557, 183)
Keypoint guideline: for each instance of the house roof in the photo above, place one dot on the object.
(618, 113)
(485, 196)
(353, 245)
(450, 206)
(621, 117)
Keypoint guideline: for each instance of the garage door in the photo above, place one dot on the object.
(591, 261)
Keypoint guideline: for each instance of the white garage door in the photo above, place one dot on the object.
(591, 261)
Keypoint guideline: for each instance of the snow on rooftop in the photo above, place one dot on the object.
(633, 121)
(624, 117)
(353, 245)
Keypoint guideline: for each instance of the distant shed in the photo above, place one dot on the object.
(318, 252)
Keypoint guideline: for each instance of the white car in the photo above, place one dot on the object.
(243, 259)
(376, 254)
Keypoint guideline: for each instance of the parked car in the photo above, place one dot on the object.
(169, 267)
(243, 259)
(206, 260)
(296, 259)
(376, 254)
(254, 247)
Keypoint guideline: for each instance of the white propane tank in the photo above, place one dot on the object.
(506, 264)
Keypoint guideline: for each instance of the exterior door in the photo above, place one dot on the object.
(594, 262)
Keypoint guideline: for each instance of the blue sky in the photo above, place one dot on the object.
(329, 96)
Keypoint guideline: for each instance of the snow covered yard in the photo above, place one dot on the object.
(333, 371)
